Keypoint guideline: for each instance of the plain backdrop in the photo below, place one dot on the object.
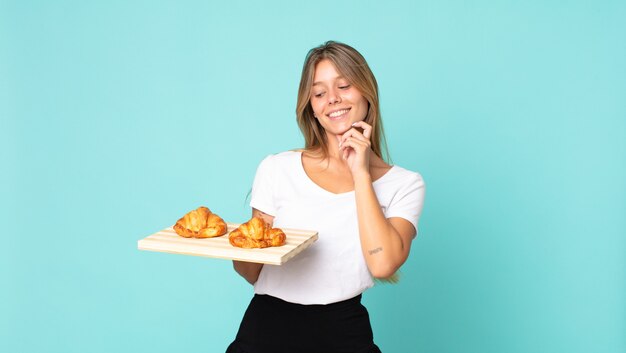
(117, 117)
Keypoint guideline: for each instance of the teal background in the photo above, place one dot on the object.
(117, 117)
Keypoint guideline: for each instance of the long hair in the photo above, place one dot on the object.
(351, 64)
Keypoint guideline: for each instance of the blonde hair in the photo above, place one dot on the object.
(351, 64)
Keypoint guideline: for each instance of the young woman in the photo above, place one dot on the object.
(365, 211)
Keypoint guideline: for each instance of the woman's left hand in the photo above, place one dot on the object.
(354, 147)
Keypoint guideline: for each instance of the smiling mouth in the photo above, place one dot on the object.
(338, 114)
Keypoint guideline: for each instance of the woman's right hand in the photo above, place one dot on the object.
(250, 270)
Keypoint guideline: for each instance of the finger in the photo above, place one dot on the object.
(354, 143)
(353, 147)
(354, 134)
(345, 151)
(367, 128)
(359, 141)
(347, 135)
(357, 137)
(357, 128)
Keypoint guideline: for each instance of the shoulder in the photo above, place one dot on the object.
(281, 157)
(282, 160)
(404, 176)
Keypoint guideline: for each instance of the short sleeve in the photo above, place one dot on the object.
(262, 196)
(409, 200)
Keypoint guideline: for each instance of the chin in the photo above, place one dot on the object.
(344, 129)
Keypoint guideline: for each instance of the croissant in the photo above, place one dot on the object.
(256, 234)
(200, 223)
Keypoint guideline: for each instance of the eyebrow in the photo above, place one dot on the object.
(341, 77)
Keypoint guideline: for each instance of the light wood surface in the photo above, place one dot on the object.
(168, 241)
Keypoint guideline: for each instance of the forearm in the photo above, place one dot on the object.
(248, 270)
(383, 247)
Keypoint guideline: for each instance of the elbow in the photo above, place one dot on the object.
(249, 271)
(383, 271)
(386, 267)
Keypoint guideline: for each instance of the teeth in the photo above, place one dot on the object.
(338, 113)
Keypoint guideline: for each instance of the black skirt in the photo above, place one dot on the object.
(272, 325)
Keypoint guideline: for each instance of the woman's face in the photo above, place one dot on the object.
(335, 102)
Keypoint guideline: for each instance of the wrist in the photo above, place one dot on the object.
(361, 177)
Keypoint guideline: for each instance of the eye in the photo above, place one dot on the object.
(344, 87)
(318, 95)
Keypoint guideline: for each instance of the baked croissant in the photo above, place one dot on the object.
(256, 234)
(200, 223)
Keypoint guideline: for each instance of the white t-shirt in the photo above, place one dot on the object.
(333, 268)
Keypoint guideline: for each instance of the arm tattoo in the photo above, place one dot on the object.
(377, 250)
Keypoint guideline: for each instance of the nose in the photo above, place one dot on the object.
(333, 97)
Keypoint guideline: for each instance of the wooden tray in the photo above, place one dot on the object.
(168, 241)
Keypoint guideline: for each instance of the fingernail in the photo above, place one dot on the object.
(355, 123)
